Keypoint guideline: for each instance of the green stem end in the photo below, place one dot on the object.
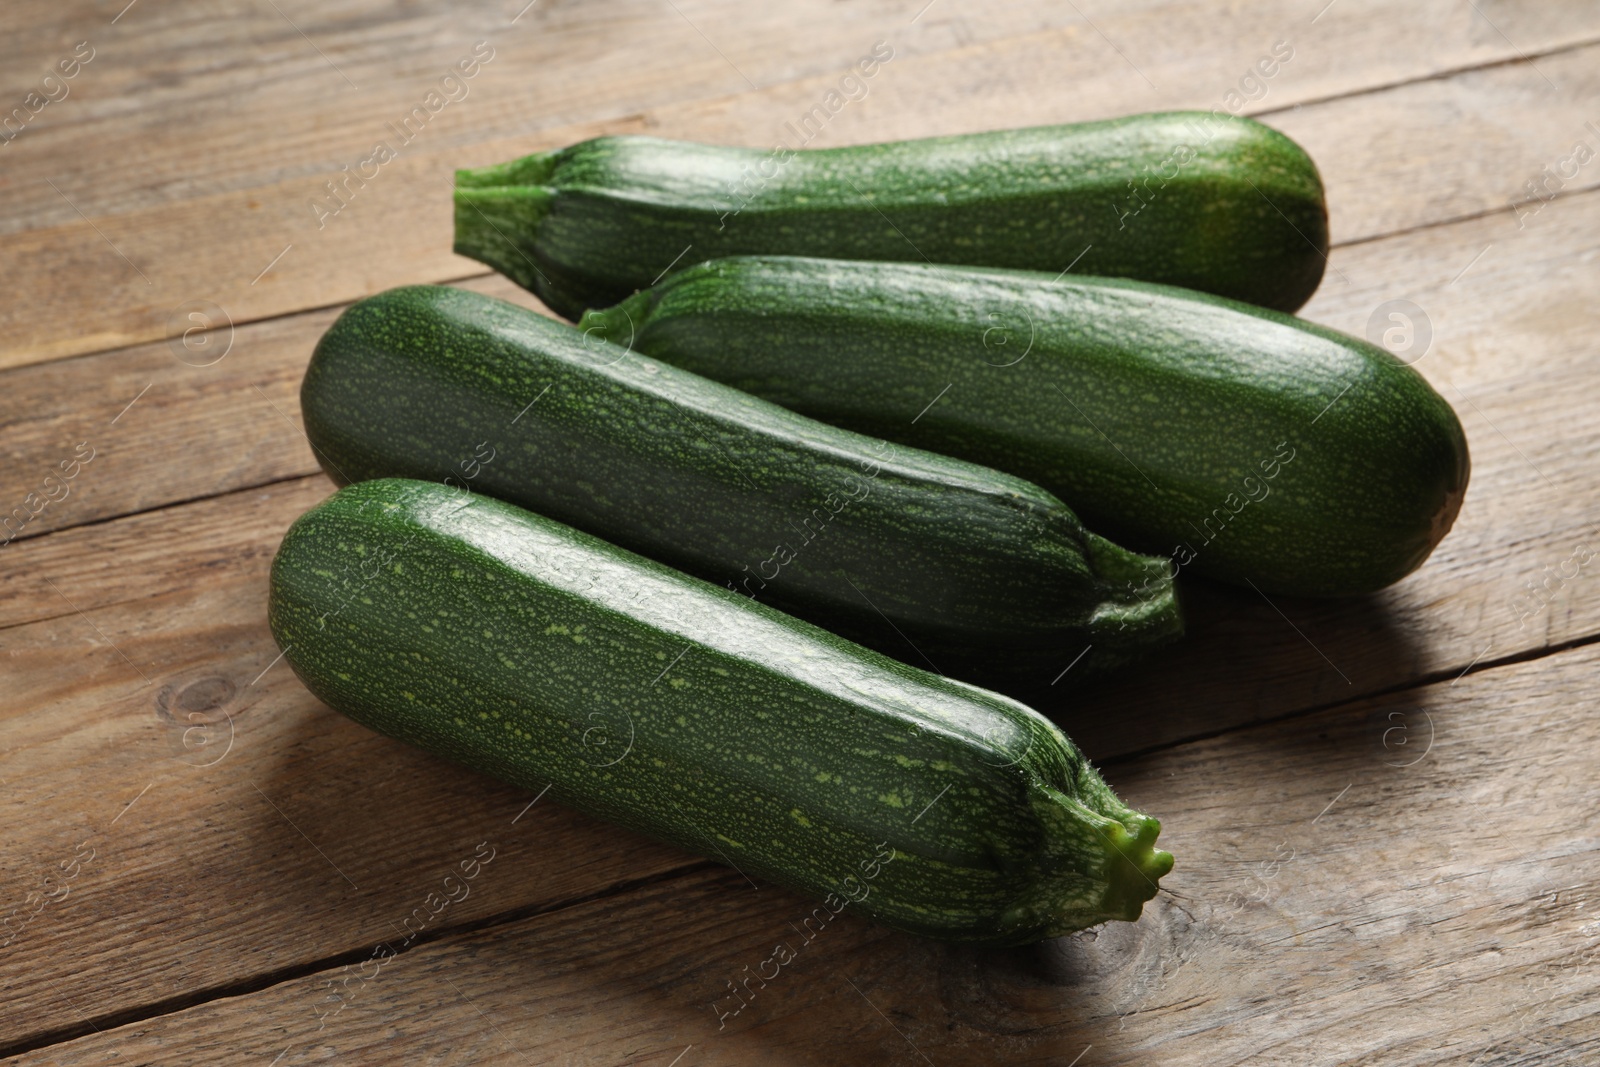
(498, 227)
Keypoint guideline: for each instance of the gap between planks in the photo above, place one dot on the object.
(1454, 220)
(1440, 75)
(261, 982)
(153, 509)
(1477, 666)
(344, 958)
(1356, 93)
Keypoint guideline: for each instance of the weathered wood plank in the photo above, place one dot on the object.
(1242, 660)
(151, 554)
(244, 67)
(1435, 912)
(114, 278)
(163, 422)
(1492, 301)
(184, 816)
(1339, 898)
(1455, 147)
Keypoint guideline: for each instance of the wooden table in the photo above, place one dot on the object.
(1384, 810)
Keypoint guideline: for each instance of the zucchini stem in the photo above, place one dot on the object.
(498, 225)
(1094, 839)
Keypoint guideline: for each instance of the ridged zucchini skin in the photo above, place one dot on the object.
(537, 654)
(928, 558)
(1225, 205)
(1249, 445)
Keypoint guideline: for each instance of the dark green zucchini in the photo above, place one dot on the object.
(1249, 445)
(1220, 204)
(532, 652)
(931, 559)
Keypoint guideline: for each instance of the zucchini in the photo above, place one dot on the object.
(927, 558)
(542, 656)
(1249, 445)
(1226, 205)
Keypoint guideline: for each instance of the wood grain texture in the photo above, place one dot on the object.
(1456, 147)
(168, 421)
(268, 104)
(1399, 868)
(244, 69)
(114, 275)
(1348, 899)
(233, 826)
(1494, 296)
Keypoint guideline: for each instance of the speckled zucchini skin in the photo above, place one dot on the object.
(537, 654)
(1225, 205)
(1250, 446)
(933, 560)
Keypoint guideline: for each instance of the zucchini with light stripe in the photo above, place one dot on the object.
(1249, 445)
(535, 653)
(931, 559)
(1222, 204)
